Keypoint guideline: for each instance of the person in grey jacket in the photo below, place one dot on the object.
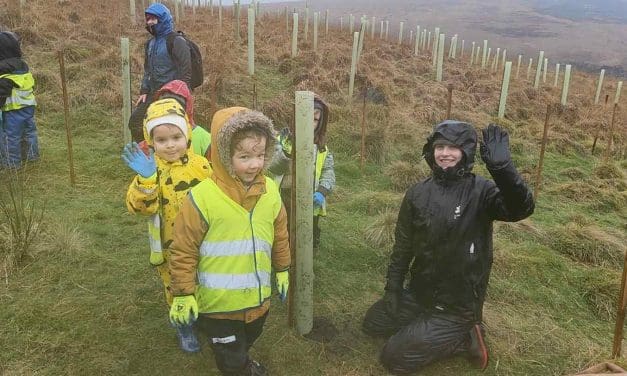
(324, 171)
(162, 64)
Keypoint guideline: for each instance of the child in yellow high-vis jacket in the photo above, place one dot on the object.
(163, 179)
(231, 232)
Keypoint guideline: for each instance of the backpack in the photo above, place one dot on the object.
(194, 53)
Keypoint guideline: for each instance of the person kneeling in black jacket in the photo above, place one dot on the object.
(443, 238)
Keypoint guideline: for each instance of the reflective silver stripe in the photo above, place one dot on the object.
(155, 244)
(234, 248)
(20, 96)
(233, 281)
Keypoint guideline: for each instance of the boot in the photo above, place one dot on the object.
(187, 338)
(477, 349)
(254, 368)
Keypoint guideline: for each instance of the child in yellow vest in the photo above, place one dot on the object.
(230, 233)
(162, 182)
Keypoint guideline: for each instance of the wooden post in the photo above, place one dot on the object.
(362, 154)
(449, 101)
(295, 35)
(417, 41)
(599, 87)
(610, 136)
(126, 89)
(557, 74)
(66, 113)
(236, 25)
(544, 69)
(536, 190)
(536, 82)
(251, 41)
(374, 22)
(303, 297)
(600, 127)
(315, 31)
(504, 88)
(566, 85)
(306, 30)
(220, 15)
(485, 51)
(620, 315)
(518, 65)
(619, 88)
(434, 52)
(351, 82)
(177, 12)
(132, 11)
(438, 73)
(326, 23)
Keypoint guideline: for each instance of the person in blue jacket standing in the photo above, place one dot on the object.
(162, 63)
(18, 139)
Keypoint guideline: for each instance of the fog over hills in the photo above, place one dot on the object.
(590, 34)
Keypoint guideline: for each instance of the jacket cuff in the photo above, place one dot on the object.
(325, 192)
(152, 180)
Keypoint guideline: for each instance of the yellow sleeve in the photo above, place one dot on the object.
(142, 196)
(281, 258)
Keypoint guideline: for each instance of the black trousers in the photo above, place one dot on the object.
(418, 336)
(136, 121)
(230, 341)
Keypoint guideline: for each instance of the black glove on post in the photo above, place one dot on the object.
(495, 147)
(391, 300)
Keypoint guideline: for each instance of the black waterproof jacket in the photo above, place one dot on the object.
(10, 62)
(444, 227)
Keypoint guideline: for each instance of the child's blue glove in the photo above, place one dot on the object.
(318, 199)
(136, 160)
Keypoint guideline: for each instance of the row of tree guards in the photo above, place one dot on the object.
(301, 294)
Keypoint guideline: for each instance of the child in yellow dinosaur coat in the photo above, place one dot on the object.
(162, 182)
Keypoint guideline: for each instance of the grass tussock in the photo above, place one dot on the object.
(380, 233)
(404, 174)
(588, 244)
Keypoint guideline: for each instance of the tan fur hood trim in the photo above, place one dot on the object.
(240, 121)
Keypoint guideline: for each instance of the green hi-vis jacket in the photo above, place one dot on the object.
(235, 255)
(22, 95)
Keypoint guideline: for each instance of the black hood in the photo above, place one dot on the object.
(461, 134)
(9, 45)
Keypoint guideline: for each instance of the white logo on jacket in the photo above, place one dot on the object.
(458, 212)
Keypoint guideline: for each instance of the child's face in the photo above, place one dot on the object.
(447, 155)
(249, 158)
(169, 142)
(316, 119)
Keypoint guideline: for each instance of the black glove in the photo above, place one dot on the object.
(495, 147)
(391, 300)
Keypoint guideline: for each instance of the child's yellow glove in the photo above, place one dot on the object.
(156, 258)
(184, 310)
(283, 284)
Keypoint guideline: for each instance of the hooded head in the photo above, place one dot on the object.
(167, 111)
(9, 45)
(456, 133)
(179, 90)
(225, 125)
(165, 24)
(320, 133)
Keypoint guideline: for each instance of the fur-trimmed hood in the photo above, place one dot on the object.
(224, 125)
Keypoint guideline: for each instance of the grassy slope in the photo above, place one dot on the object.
(87, 302)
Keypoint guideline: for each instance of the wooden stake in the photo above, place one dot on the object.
(596, 136)
(536, 190)
(610, 136)
(126, 89)
(303, 298)
(449, 101)
(66, 113)
(536, 83)
(295, 35)
(620, 314)
(440, 58)
(504, 89)
(351, 82)
(362, 154)
(251, 41)
(566, 86)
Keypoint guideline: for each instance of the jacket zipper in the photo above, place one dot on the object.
(252, 230)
